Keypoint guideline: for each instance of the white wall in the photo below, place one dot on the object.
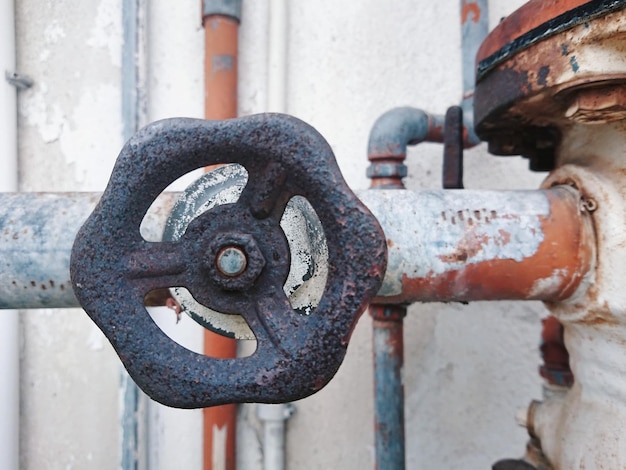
(468, 367)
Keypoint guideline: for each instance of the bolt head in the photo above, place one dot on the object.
(231, 261)
(234, 261)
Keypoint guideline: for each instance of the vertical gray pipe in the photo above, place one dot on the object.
(388, 140)
(388, 351)
(134, 15)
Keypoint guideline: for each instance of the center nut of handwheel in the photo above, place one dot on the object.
(234, 261)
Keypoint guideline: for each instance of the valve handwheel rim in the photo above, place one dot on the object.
(113, 268)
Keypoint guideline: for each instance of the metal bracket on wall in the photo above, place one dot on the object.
(18, 80)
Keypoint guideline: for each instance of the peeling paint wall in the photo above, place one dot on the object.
(69, 132)
(468, 367)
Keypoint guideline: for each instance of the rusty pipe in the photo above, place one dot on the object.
(221, 28)
(393, 132)
(555, 368)
(390, 135)
(400, 127)
(388, 352)
(389, 141)
(482, 245)
(488, 245)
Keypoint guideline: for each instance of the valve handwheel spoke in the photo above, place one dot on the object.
(156, 265)
(275, 317)
(233, 258)
(265, 193)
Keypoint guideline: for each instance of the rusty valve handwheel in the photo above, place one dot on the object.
(233, 258)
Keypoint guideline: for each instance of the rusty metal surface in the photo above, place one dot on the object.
(388, 347)
(453, 149)
(112, 267)
(513, 464)
(388, 319)
(482, 245)
(536, 21)
(524, 102)
(555, 368)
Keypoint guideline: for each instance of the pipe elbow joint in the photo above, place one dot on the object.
(399, 127)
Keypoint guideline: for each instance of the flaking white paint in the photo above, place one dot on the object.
(46, 117)
(541, 284)
(82, 133)
(53, 32)
(107, 30)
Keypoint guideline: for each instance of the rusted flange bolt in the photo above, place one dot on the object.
(234, 261)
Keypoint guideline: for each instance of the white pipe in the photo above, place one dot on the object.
(9, 328)
(277, 56)
(274, 416)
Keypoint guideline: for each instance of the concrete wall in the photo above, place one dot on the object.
(468, 367)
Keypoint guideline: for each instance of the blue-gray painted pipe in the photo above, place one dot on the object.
(392, 133)
(37, 232)
(129, 69)
(388, 331)
(474, 29)
(399, 127)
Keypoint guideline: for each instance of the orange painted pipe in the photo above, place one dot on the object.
(220, 67)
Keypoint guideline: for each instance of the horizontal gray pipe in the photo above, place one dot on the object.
(37, 231)
(435, 240)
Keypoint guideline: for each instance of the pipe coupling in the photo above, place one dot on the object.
(230, 8)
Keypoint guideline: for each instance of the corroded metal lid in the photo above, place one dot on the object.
(531, 66)
(535, 21)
